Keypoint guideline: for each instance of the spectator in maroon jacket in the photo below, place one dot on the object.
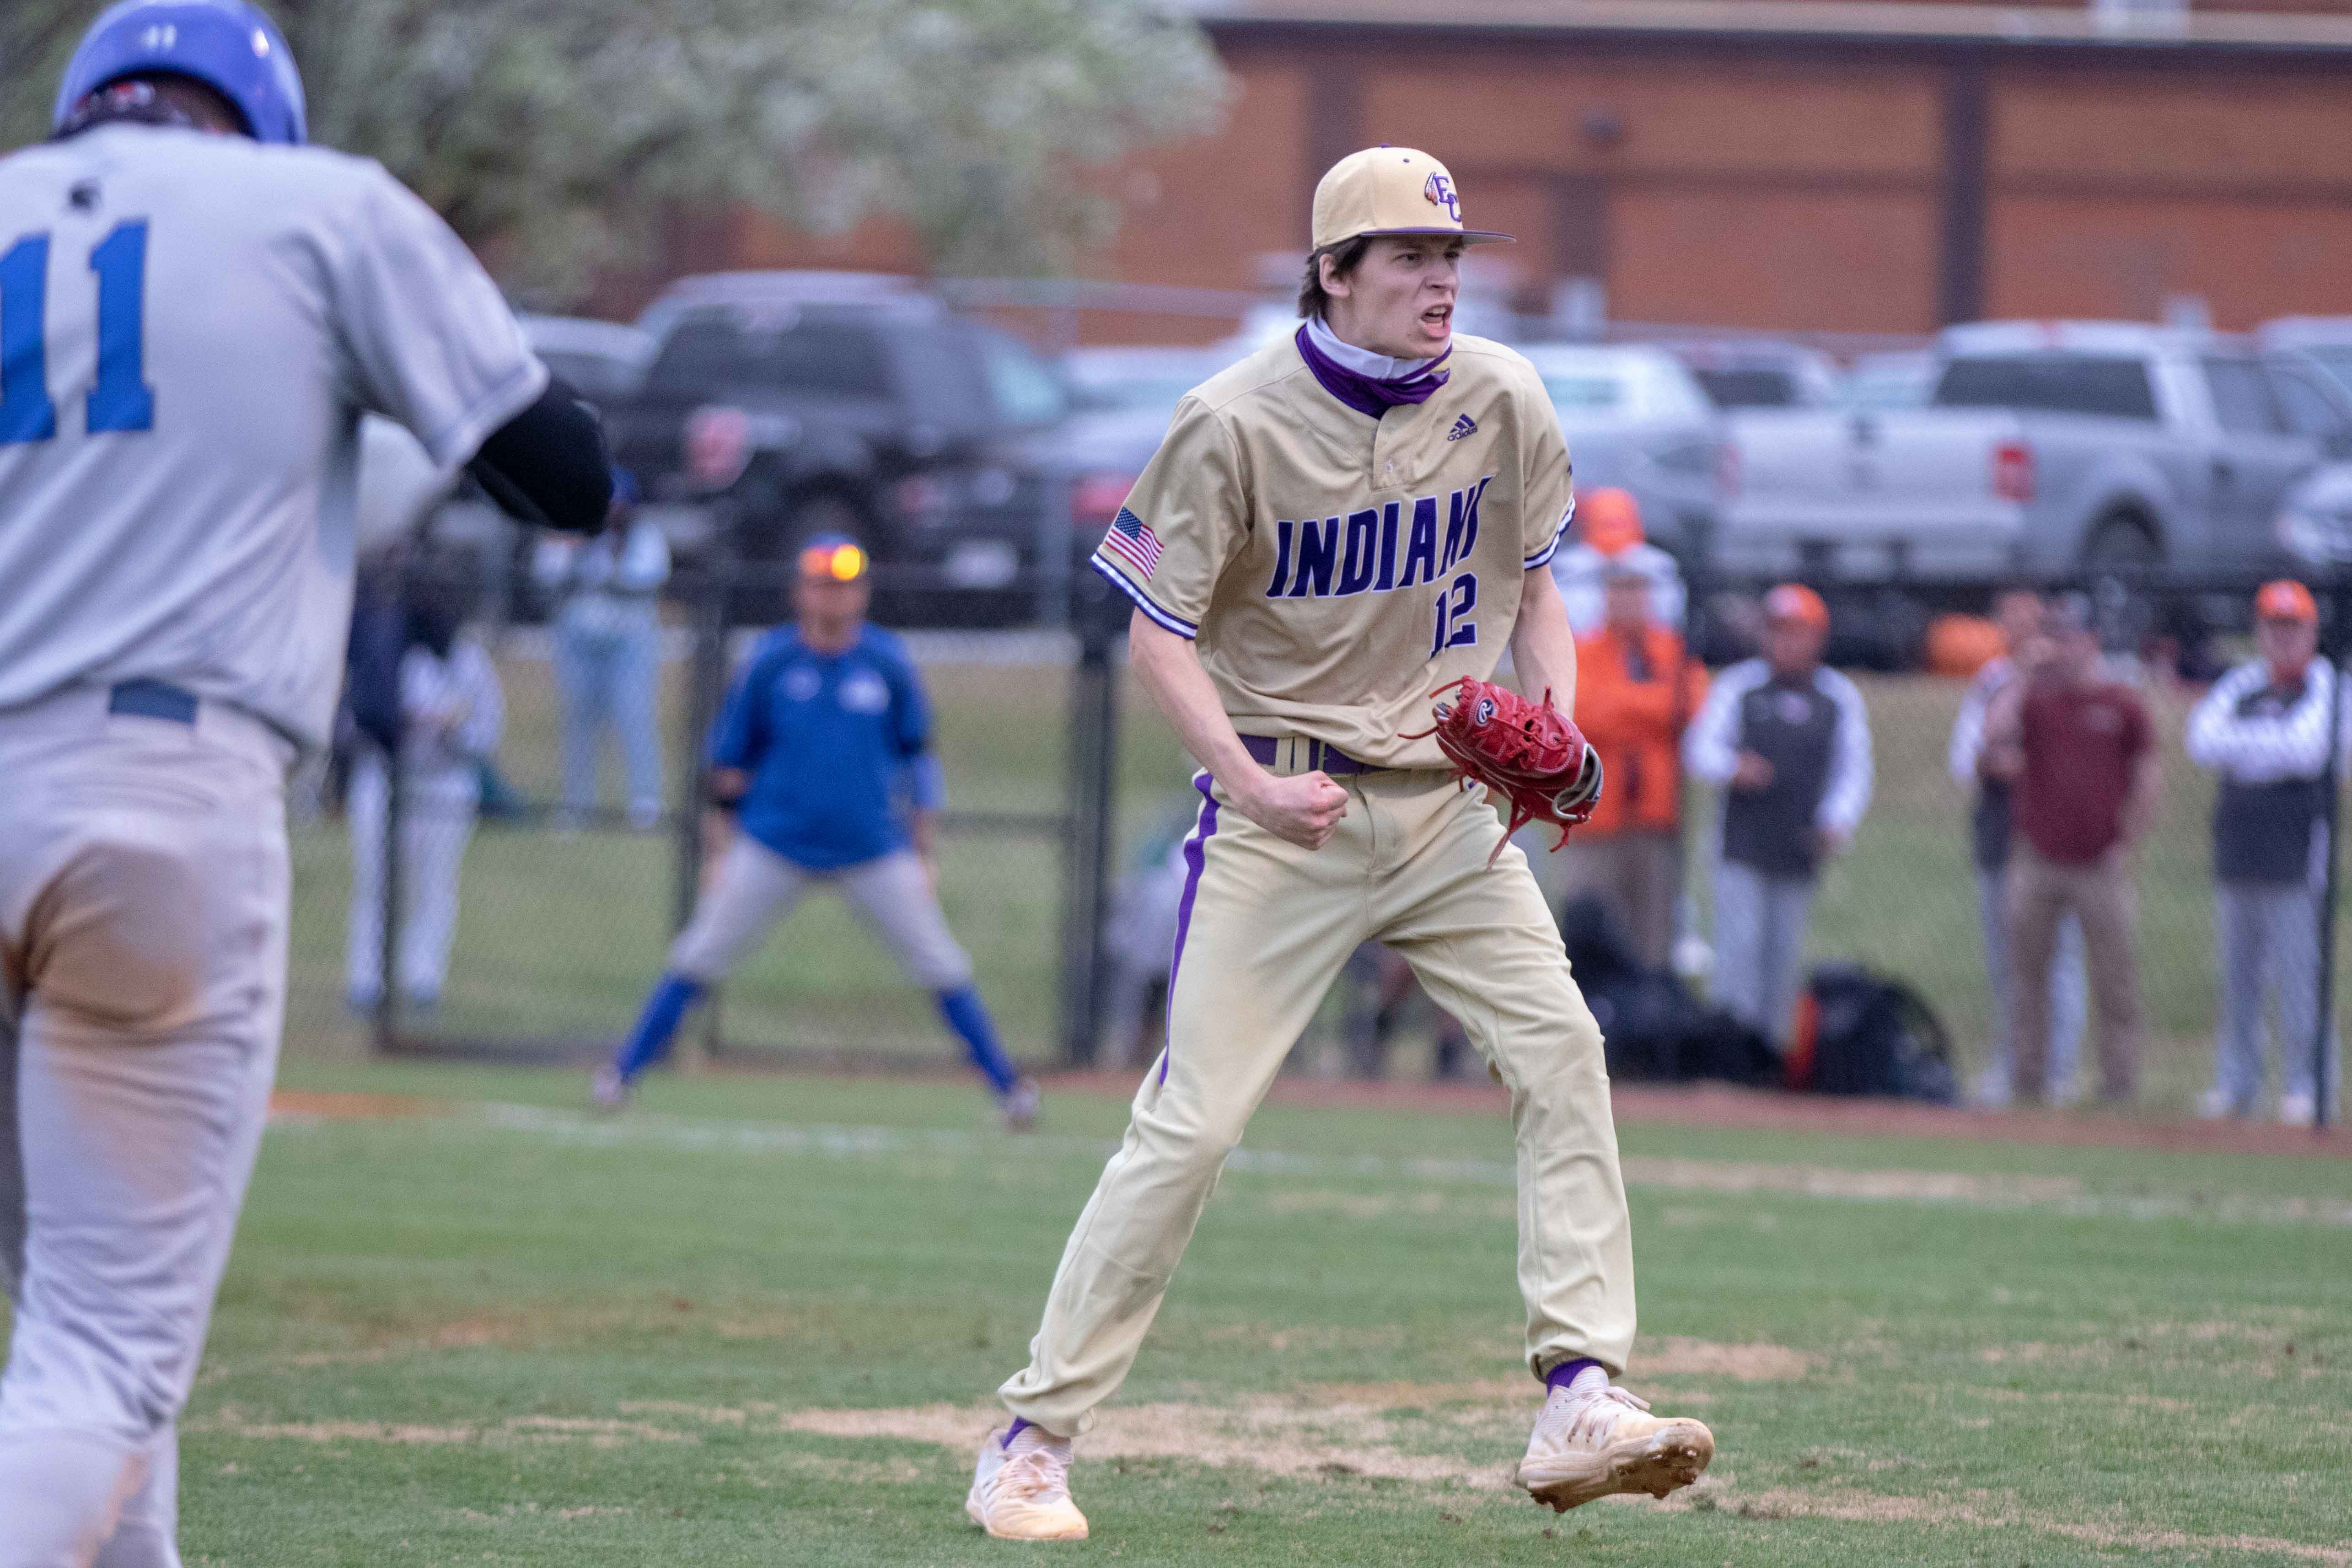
(2081, 753)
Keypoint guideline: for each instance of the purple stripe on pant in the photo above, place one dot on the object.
(1196, 850)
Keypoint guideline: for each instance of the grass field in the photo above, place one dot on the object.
(560, 937)
(758, 1321)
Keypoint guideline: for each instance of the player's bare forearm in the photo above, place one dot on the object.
(1543, 648)
(1304, 809)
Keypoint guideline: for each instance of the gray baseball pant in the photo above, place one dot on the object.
(436, 823)
(144, 896)
(756, 887)
(1760, 945)
(2267, 936)
(2070, 997)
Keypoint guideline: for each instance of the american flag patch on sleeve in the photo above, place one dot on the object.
(1132, 539)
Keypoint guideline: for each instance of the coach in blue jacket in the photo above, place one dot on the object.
(822, 735)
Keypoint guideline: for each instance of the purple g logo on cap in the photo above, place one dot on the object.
(1440, 191)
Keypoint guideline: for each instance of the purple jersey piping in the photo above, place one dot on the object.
(1166, 620)
(1196, 851)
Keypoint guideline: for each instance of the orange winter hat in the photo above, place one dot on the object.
(2285, 600)
(1795, 602)
(1610, 519)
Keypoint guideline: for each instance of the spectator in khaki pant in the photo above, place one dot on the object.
(2080, 752)
(1636, 688)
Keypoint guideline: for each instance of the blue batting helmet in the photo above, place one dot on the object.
(228, 45)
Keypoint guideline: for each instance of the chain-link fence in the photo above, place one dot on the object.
(1057, 868)
(2212, 930)
(550, 811)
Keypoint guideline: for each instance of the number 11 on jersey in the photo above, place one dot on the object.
(120, 399)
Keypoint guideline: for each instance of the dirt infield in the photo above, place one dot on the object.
(1685, 1105)
(1721, 1105)
(326, 1105)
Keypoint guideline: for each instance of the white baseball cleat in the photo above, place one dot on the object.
(1021, 1490)
(2215, 1105)
(2299, 1110)
(1019, 1107)
(607, 1091)
(1593, 1439)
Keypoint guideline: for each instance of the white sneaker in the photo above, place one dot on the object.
(1019, 1107)
(2215, 1106)
(606, 1091)
(2298, 1109)
(1021, 1490)
(1593, 1439)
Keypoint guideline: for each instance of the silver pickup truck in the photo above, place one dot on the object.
(2045, 446)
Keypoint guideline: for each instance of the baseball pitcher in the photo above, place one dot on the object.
(194, 311)
(1333, 529)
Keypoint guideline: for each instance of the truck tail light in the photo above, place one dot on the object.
(1096, 498)
(717, 447)
(922, 498)
(2012, 471)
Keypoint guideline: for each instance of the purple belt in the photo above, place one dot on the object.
(1265, 748)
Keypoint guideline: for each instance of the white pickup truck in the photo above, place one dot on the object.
(2045, 446)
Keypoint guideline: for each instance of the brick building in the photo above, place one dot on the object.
(1819, 165)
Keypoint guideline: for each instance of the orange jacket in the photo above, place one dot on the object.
(1637, 725)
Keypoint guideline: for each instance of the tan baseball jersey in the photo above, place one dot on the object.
(1336, 569)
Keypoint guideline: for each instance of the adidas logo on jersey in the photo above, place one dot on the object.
(1463, 426)
(1375, 550)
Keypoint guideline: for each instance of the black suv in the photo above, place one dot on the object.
(795, 404)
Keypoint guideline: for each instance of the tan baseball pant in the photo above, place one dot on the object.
(1264, 929)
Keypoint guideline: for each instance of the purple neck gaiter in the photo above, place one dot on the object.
(1369, 395)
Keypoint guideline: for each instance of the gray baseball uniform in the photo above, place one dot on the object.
(193, 326)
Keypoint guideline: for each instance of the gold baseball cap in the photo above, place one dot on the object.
(1389, 189)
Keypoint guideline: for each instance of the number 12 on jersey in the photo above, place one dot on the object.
(1454, 627)
(120, 399)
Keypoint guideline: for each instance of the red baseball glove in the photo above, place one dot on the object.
(1529, 752)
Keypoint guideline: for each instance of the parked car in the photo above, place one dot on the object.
(785, 405)
(605, 361)
(2047, 446)
(1759, 373)
(1897, 380)
(1124, 398)
(2314, 526)
(1636, 418)
(1110, 380)
(2326, 341)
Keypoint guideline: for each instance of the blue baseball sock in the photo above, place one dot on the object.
(649, 1041)
(962, 1010)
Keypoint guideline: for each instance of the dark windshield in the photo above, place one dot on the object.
(1025, 389)
(2336, 362)
(2061, 384)
(843, 358)
(600, 378)
(1754, 388)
